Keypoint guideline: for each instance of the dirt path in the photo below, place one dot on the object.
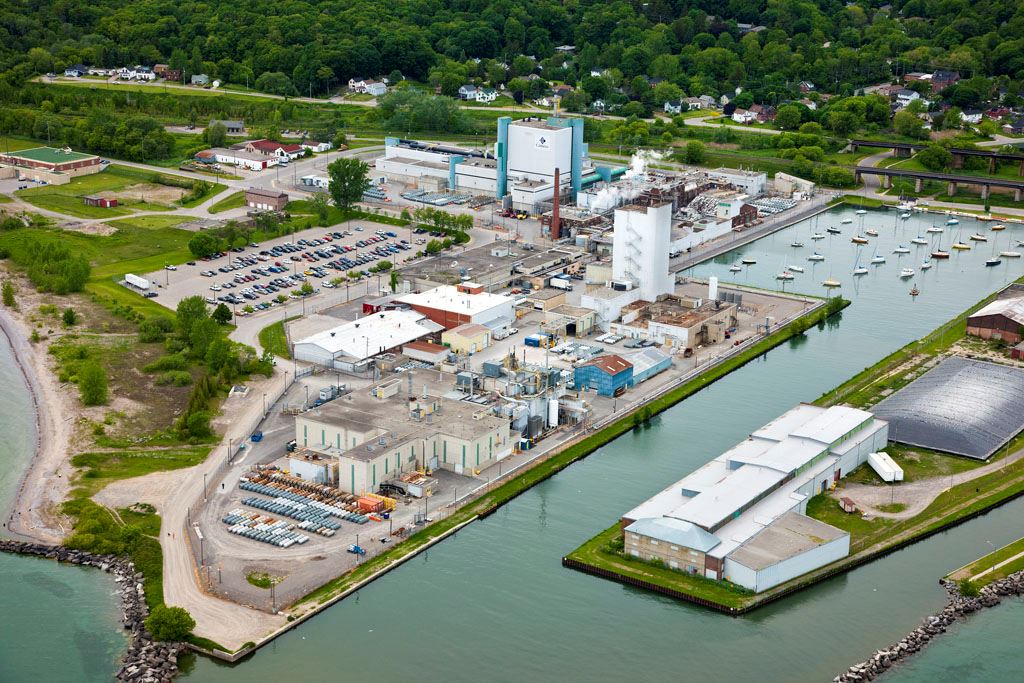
(918, 495)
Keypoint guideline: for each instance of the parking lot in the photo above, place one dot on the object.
(264, 275)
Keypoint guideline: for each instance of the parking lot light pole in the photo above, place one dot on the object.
(204, 486)
(264, 404)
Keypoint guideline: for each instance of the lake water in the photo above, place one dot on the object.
(57, 622)
(494, 603)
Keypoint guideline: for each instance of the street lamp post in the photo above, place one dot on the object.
(204, 486)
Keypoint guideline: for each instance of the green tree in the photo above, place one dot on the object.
(275, 82)
(935, 157)
(348, 181)
(788, 117)
(8, 295)
(216, 135)
(203, 244)
(204, 332)
(69, 317)
(306, 289)
(393, 281)
(433, 247)
(92, 383)
(907, 124)
(222, 314)
(320, 204)
(169, 623)
(695, 152)
(190, 312)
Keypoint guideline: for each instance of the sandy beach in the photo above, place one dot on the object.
(44, 484)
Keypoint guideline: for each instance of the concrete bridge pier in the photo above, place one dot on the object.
(903, 152)
(951, 188)
(984, 191)
(992, 165)
(958, 160)
(919, 185)
(886, 182)
(856, 177)
(1017, 195)
(1020, 168)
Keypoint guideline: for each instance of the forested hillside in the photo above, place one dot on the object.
(307, 46)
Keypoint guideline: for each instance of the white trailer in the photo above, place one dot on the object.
(561, 283)
(136, 281)
(885, 466)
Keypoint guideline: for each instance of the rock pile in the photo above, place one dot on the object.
(147, 661)
(957, 607)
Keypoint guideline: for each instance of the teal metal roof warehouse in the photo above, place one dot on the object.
(607, 375)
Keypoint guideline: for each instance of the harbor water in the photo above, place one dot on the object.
(58, 623)
(494, 603)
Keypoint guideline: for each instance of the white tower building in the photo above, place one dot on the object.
(642, 241)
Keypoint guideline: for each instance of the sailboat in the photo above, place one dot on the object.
(858, 269)
(915, 291)
(816, 257)
(935, 228)
(847, 221)
(905, 215)
(997, 227)
(939, 254)
(960, 246)
(748, 261)
(919, 240)
(978, 237)
(952, 221)
(1010, 254)
(857, 239)
(795, 269)
(926, 264)
(906, 272)
(860, 212)
(735, 268)
(817, 236)
(831, 282)
(833, 230)
(796, 244)
(877, 259)
(994, 261)
(901, 250)
(784, 275)
(870, 232)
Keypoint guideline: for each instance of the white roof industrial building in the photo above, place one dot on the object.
(452, 306)
(350, 345)
(766, 478)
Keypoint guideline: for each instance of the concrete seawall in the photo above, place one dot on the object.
(146, 661)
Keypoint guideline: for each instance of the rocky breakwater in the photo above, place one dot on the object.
(957, 607)
(147, 661)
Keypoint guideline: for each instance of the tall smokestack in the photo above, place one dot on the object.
(555, 213)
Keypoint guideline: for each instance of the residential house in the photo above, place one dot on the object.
(486, 95)
(467, 91)
(316, 146)
(764, 113)
(76, 71)
(598, 106)
(275, 149)
(136, 73)
(744, 116)
(905, 97)
(253, 161)
(943, 79)
(809, 103)
(357, 84)
(596, 73)
(971, 116)
(674, 107)
(562, 90)
(806, 87)
(172, 74)
(375, 88)
(996, 113)
(723, 100)
(1014, 127)
(707, 102)
(98, 71)
(200, 79)
(159, 69)
(916, 76)
(565, 49)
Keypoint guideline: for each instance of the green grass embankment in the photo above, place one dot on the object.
(273, 339)
(561, 459)
(987, 564)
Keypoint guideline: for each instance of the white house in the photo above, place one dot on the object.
(76, 71)
(674, 107)
(707, 102)
(971, 116)
(200, 79)
(316, 146)
(486, 95)
(97, 71)
(468, 91)
(137, 73)
(744, 116)
(357, 84)
(905, 97)
(375, 88)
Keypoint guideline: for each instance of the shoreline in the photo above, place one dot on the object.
(36, 488)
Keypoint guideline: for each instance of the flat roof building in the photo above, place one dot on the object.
(352, 345)
(266, 200)
(451, 306)
(52, 165)
(761, 484)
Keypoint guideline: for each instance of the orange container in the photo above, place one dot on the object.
(367, 504)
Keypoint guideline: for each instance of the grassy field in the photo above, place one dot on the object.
(67, 199)
(235, 200)
(988, 562)
(273, 339)
(102, 468)
(917, 464)
(13, 144)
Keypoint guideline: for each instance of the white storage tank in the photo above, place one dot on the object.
(712, 288)
(553, 412)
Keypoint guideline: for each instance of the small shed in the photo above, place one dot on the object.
(1017, 352)
(847, 505)
(102, 202)
(467, 338)
(425, 351)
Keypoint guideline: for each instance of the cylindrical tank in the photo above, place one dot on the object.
(712, 288)
(553, 412)
(536, 426)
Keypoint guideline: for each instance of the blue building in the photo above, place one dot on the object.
(608, 375)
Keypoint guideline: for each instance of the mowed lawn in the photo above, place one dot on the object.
(67, 199)
(235, 200)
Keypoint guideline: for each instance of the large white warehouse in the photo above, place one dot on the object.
(741, 516)
(350, 346)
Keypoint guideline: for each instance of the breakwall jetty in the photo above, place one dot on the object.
(957, 607)
(147, 660)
